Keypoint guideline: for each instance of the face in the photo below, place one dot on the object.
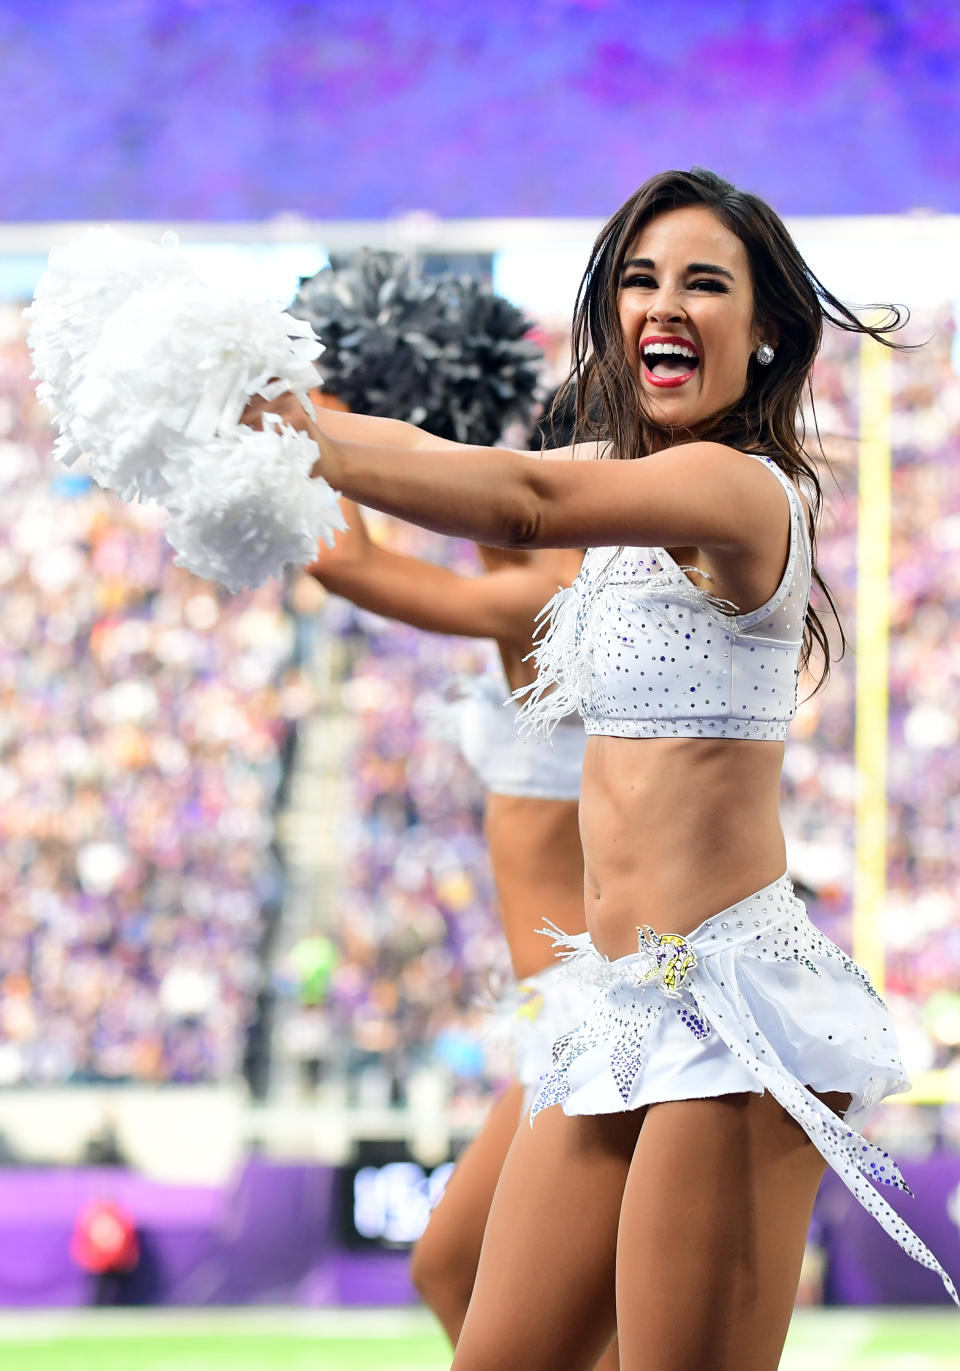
(686, 309)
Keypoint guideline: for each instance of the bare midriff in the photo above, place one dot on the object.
(538, 868)
(675, 830)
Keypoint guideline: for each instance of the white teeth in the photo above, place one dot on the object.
(669, 349)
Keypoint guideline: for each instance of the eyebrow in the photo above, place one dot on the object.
(694, 269)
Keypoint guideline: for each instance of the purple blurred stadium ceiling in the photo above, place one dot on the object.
(364, 109)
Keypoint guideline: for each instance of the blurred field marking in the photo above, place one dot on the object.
(835, 1337)
(872, 1340)
(47, 1325)
(872, 659)
(850, 1327)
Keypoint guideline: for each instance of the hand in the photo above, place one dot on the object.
(351, 546)
(287, 408)
(290, 411)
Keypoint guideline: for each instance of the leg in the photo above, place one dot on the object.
(715, 1216)
(105, 1289)
(544, 1295)
(610, 1361)
(444, 1263)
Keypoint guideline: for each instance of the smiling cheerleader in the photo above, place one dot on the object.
(731, 1051)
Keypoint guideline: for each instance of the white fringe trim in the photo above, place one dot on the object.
(572, 625)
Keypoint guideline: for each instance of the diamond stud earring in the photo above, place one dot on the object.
(765, 354)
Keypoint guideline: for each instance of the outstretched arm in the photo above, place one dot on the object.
(698, 494)
(501, 604)
(345, 426)
(342, 425)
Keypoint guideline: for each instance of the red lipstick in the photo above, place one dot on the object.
(668, 382)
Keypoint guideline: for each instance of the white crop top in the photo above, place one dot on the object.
(536, 768)
(641, 652)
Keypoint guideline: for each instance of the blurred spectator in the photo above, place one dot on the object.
(105, 1244)
(103, 1148)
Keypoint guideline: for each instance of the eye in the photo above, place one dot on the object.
(708, 283)
(635, 280)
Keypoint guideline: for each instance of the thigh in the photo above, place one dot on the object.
(544, 1294)
(454, 1234)
(715, 1216)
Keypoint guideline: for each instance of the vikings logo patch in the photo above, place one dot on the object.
(531, 1002)
(670, 959)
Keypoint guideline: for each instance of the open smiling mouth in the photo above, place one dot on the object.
(668, 362)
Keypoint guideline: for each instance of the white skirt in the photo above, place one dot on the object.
(755, 998)
(531, 1014)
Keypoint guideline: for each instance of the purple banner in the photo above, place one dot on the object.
(273, 1239)
(866, 1267)
(270, 1239)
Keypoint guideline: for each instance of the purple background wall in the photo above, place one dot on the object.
(240, 109)
(271, 1239)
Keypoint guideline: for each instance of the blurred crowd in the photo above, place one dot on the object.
(421, 957)
(144, 721)
(920, 923)
(147, 719)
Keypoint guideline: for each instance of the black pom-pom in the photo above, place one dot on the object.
(441, 352)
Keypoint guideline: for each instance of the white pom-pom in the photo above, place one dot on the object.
(86, 281)
(247, 506)
(148, 368)
(135, 352)
(179, 362)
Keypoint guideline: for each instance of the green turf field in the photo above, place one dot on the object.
(378, 1340)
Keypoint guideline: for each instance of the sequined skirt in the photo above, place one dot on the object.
(756, 998)
(531, 1014)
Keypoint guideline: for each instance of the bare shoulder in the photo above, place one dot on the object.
(705, 459)
(740, 473)
(736, 505)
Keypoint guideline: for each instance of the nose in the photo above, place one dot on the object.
(664, 307)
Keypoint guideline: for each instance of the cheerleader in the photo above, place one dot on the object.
(731, 1051)
(380, 325)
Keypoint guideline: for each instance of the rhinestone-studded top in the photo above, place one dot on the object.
(642, 652)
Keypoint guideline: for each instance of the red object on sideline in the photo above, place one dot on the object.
(105, 1238)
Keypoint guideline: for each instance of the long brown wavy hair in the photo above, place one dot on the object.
(788, 300)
